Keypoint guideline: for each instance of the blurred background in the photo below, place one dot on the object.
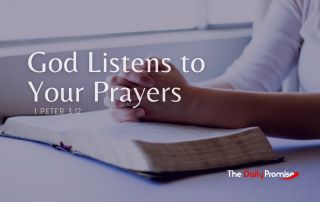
(38, 19)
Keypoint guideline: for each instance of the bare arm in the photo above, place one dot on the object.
(279, 114)
(282, 115)
(295, 116)
(291, 115)
(215, 83)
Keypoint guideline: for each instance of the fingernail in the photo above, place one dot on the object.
(141, 113)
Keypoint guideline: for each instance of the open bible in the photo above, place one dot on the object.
(144, 147)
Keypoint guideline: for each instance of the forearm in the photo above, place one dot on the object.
(282, 115)
(214, 83)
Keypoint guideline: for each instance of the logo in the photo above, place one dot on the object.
(261, 175)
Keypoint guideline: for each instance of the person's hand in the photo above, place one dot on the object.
(131, 79)
(167, 111)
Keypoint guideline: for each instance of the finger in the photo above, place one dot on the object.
(142, 79)
(117, 104)
(151, 63)
(137, 67)
(130, 95)
(119, 82)
(111, 104)
(123, 115)
(116, 80)
(157, 64)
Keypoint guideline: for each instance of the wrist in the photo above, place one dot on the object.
(191, 100)
(214, 107)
